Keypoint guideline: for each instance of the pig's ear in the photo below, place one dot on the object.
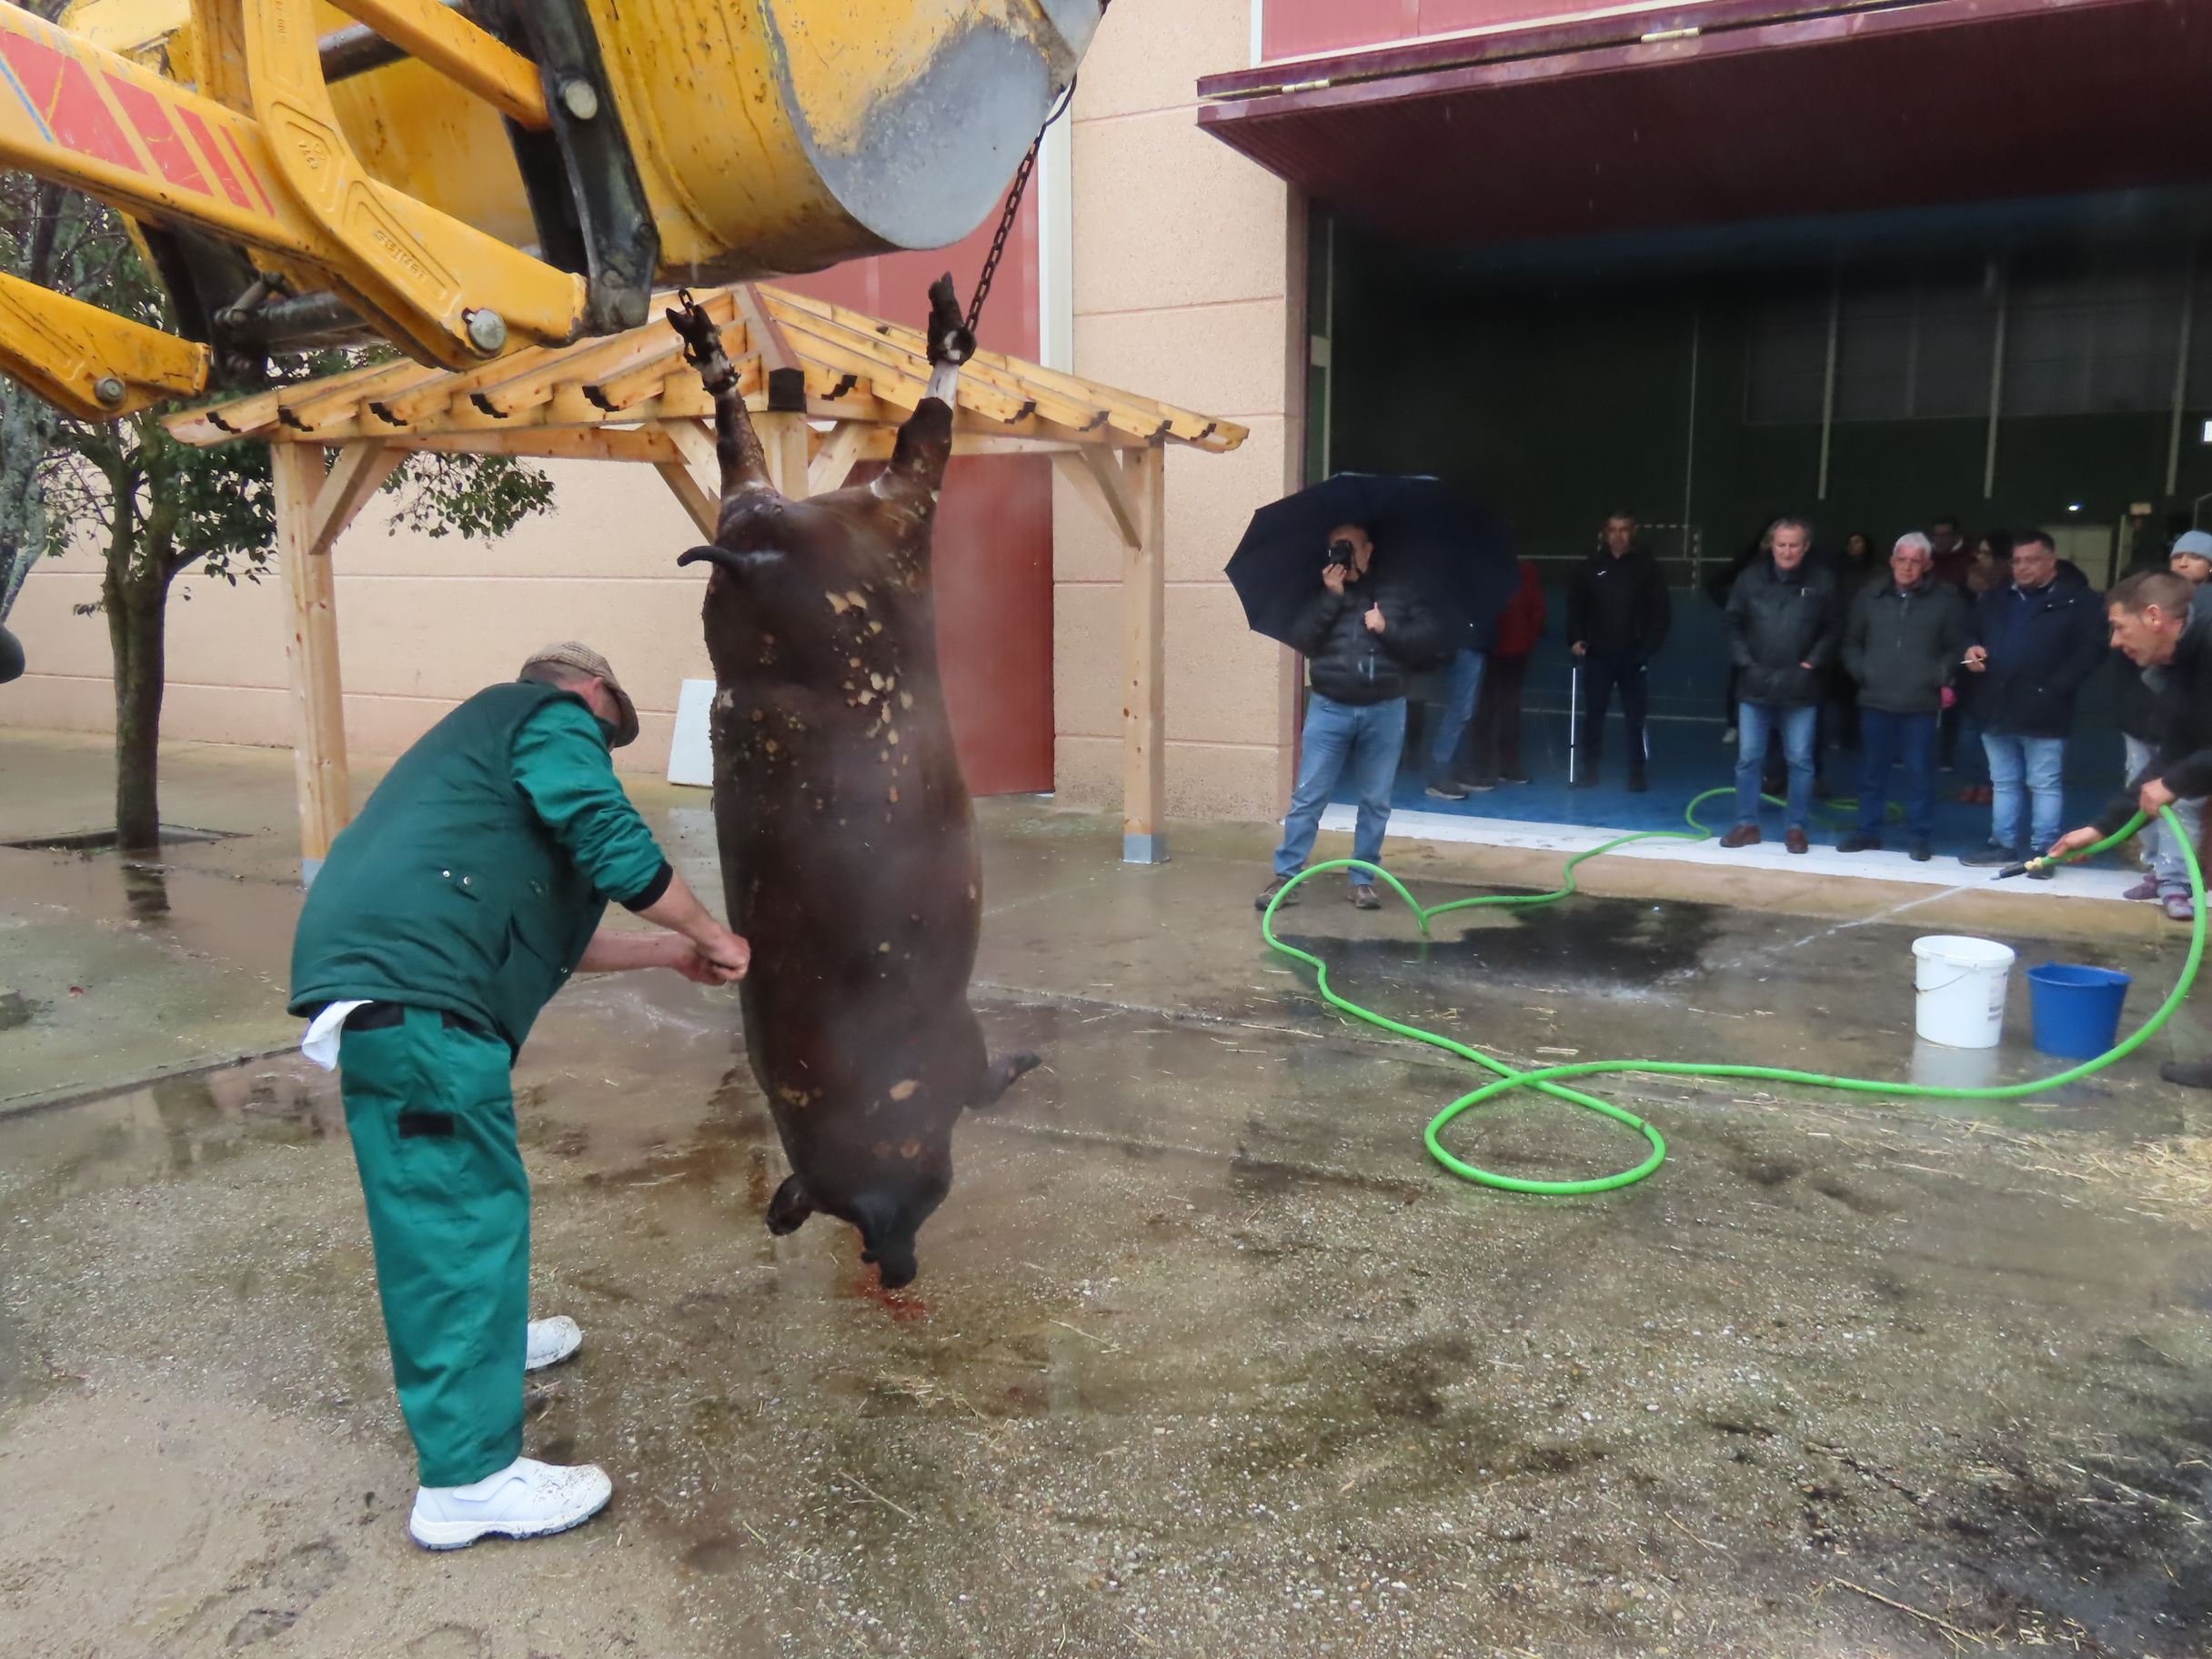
(789, 1208)
(1002, 1074)
(736, 564)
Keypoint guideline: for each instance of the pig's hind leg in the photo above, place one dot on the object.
(736, 445)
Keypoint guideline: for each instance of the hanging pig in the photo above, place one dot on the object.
(847, 839)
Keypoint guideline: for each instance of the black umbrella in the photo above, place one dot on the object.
(1458, 556)
(11, 657)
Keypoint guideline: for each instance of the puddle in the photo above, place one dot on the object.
(104, 841)
(1593, 944)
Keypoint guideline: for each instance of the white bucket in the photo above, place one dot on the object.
(1961, 983)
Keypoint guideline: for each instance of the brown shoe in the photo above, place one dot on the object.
(1364, 896)
(1743, 835)
(1794, 840)
(1267, 893)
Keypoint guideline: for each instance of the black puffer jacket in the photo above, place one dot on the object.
(2038, 667)
(1351, 662)
(1901, 644)
(1619, 606)
(2181, 711)
(2133, 705)
(1779, 621)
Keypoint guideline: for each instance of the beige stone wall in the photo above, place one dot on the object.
(1186, 288)
(422, 623)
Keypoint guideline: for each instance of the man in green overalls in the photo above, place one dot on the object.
(448, 915)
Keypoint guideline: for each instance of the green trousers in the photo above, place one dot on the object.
(431, 1111)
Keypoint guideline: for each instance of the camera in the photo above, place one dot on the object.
(1339, 551)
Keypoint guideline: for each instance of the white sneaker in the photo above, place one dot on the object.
(551, 1340)
(526, 1499)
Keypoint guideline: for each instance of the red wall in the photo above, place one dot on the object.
(994, 542)
(1296, 28)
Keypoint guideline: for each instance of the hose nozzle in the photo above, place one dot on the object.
(2026, 866)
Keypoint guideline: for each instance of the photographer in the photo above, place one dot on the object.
(1359, 633)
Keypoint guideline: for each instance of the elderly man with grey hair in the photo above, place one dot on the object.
(1901, 644)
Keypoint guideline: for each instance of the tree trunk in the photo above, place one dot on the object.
(138, 618)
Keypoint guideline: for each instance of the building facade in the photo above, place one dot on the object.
(1711, 260)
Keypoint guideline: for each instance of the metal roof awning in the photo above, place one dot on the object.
(1651, 116)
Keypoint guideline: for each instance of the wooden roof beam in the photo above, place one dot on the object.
(359, 473)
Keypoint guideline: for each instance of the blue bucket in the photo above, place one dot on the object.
(2076, 1009)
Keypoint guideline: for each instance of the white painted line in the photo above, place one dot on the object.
(1823, 861)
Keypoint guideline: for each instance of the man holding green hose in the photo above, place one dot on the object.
(448, 915)
(2154, 623)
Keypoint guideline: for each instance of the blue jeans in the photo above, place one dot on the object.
(1753, 721)
(1463, 687)
(1883, 739)
(2038, 763)
(1363, 738)
(2166, 864)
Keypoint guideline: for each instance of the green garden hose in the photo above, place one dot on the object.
(1549, 1078)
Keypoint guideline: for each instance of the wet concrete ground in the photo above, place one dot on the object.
(1205, 1356)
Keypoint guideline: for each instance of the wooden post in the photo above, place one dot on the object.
(1144, 673)
(311, 651)
(783, 436)
(834, 461)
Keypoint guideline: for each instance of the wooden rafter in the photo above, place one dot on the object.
(359, 473)
(854, 368)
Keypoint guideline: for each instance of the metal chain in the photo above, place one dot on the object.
(998, 240)
(1013, 201)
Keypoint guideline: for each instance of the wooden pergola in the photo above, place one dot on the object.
(827, 388)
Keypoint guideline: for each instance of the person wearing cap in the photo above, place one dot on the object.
(448, 913)
(2191, 558)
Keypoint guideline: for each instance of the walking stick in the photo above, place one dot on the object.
(1575, 724)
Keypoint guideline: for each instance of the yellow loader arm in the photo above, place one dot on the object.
(467, 177)
(88, 362)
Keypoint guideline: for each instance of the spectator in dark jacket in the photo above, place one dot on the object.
(1782, 630)
(1856, 571)
(2031, 645)
(1618, 613)
(1467, 664)
(1950, 553)
(2155, 618)
(1900, 645)
(1718, 585)
(1958, 732)
(1359, 633)
(1497, 718)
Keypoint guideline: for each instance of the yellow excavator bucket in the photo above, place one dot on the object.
(465, 177)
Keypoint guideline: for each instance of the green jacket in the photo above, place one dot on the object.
(478, 870)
